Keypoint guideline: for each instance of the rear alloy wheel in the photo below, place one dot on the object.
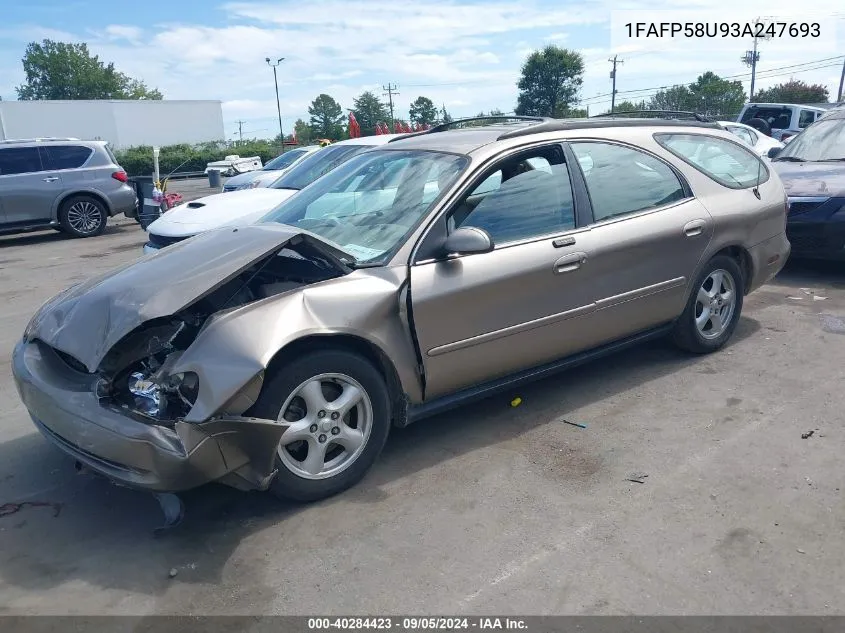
(713, 309)
(336, 408)
(83, 216)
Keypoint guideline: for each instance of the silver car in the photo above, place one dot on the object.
(70, 185)
(439, 268)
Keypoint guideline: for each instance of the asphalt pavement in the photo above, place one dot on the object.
(700, 485)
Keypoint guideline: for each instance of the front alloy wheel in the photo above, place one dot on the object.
(330, 417)
(336, 407)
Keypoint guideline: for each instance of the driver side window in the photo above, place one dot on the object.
(528, 196)
(621, 180)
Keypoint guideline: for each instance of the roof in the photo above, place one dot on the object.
(834, 113)
(467, 140)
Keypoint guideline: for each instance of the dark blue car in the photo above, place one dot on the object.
(812, 167)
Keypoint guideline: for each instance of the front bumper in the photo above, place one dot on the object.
(63, 404)
(767, 260)
(820, 232)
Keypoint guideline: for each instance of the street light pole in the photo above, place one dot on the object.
(278, 106)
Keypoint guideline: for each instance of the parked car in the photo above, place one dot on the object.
(268, 174)
(785, 119)
(812, 167)
(66, 184)
(761, 143)
(278, 355)
(243, 207)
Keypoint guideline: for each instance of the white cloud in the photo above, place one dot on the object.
(466, 56)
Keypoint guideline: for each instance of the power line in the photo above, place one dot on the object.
(769, 73)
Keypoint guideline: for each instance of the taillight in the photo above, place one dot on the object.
(120, 175)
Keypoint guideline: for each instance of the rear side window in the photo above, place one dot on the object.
(19, 160)
(728, 163)
(66, 156)
(621, 180)
(742, 133)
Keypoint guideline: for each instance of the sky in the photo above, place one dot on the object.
(464, 54)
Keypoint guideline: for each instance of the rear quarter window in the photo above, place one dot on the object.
(727, 162)
(66, 156)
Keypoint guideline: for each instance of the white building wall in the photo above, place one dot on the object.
(122, 123)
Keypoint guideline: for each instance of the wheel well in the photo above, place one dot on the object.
(744, 260)
(85, 194)
(353, 344)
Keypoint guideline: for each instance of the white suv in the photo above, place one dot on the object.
(785, 119)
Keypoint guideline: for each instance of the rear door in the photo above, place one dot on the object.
(26, 191)
(647, 236)
(483, 316)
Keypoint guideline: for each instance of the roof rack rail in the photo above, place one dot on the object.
(664, 114)
(442, 127)
(38, 140)
(557, 125)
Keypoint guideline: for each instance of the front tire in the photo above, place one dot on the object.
(713, 309)
(83, 216)
(337, 409)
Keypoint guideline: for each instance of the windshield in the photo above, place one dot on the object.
(284, 160)
(371, 203)
(318, 163)
(823, 140)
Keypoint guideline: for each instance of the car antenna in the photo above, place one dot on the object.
(756, 190)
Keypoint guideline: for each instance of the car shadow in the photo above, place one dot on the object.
(797, 272)
(102, 536)
(45, 236)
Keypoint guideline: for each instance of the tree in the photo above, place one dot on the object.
(58, 70)
(326, 117)
(628, 106)
(793, 91)
(550, 81)
(369, 110)
(444, 116)
(709, 95)
(422, 111)
(303, 132)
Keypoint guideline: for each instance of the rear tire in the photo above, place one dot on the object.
(322, 454)
(83, 216)
(713, 308)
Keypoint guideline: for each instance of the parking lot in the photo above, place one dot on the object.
(691, 489)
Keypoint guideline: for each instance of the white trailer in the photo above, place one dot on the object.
(123, 123)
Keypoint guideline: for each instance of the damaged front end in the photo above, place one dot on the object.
(101, 371)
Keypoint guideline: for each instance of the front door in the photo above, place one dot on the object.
(27, 191)
(482, 316)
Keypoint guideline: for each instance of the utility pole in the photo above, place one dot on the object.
(751, 58)
(278, 106)
(841, 81)
(241, 130)
(614, 61)
(389, 92)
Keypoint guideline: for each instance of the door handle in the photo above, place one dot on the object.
(50, 179)
(696, 227)
(568, 263)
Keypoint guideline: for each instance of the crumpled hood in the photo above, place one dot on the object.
(218, 210)
(88, 319)
(812, 179)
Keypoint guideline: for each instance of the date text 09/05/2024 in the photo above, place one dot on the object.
(417, 624)
(723, 29)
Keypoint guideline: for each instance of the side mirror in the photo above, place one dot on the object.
(773, 151)
(467, 240)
